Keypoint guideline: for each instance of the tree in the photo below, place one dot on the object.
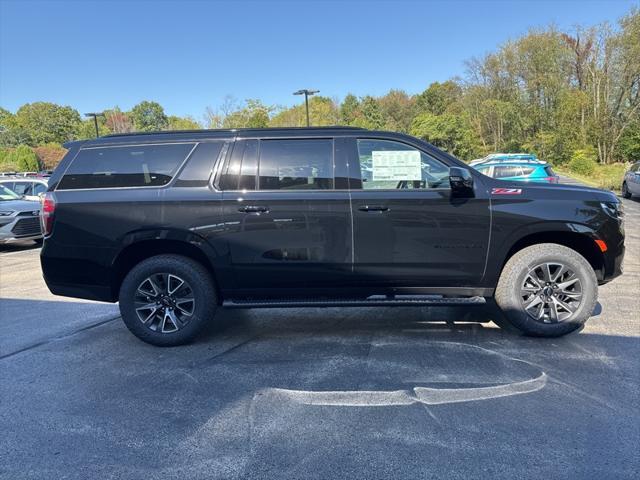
(49, 155)
(450, 132)
(149, 117)
(47, 122)
(439, 97)
(117, 121)
(397, 110)
(24, 158)
(349, 110)
(370, 114)
(183, 123)
(253, 115)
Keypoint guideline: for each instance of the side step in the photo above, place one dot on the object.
(371, 301)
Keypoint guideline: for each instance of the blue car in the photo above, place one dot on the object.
(522, 171)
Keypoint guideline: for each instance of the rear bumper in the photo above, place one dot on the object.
(78, 272)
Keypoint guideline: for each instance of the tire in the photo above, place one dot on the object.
(155, 314)
(625, 190)
(521, 280)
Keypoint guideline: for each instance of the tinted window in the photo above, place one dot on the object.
(198, 169)
(527, 170)
(129, 166)
(385, 164)
(550, 171)
(296, 164)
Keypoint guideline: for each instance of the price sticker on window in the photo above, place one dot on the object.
(396, 165)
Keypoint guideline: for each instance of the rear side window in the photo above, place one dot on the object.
(506, 171)
(300, 164)
(126, 166)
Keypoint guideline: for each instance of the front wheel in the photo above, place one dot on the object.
(625, 190)
(166, 300)
(547, 290)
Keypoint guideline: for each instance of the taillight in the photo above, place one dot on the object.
(552, 179)
(47, 210)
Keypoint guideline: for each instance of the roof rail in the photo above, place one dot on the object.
(229, 130)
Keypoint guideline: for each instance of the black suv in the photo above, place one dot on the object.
(175, 225)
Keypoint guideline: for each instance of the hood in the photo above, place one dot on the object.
(20, 205)
(559, 190)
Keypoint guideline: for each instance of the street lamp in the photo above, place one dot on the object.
(307, 93)
(95, 120)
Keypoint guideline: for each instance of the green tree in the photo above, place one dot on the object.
(183, 123)
(370, 114)
(439, 97)
(46, 122)
(349, 110)
(253, 115)
(24, 158)
(149, 117)
(450, 132)
(397, 111)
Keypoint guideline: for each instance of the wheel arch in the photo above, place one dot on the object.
(142, 245)
(583, 242)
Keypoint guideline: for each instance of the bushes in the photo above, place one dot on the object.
(50, 155)
(583, 162)
(21, 159)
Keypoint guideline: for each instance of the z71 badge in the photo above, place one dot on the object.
(506, 191)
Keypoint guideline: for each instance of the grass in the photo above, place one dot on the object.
(608, 177)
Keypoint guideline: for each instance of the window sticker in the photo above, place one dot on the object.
(396, 165)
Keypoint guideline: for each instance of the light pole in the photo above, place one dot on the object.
(307, 93)
(95, 120)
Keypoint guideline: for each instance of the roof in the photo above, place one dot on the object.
(508, 163)
(231, 130)
(199, 135)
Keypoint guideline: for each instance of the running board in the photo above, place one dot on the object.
(372, 301)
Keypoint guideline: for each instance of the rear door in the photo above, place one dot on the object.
(407, 229)
(286, 215)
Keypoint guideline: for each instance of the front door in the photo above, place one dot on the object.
(286, 223)
(408, 230)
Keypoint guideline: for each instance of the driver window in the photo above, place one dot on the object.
(390, 165)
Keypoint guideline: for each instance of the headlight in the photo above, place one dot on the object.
(6, 213)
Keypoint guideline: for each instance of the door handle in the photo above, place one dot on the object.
(254, 209)
(373, 208)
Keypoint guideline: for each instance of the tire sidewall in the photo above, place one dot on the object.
(193, 274)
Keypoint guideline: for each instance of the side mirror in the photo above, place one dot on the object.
(461, 182)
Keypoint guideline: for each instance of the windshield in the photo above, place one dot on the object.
(6, 194)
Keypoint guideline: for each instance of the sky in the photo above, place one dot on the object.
(188, 55)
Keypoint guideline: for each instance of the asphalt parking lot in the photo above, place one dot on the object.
(316, 393)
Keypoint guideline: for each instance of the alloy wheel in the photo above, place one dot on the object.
(551, 292)
(164, 302)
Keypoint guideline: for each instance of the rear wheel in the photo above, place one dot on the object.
(547, 290)
(166, 300)
(625, 190)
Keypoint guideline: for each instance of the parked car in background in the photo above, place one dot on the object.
(631, 181)
(28, 188)
(521, 171)
(19, 219)
(506, 157)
